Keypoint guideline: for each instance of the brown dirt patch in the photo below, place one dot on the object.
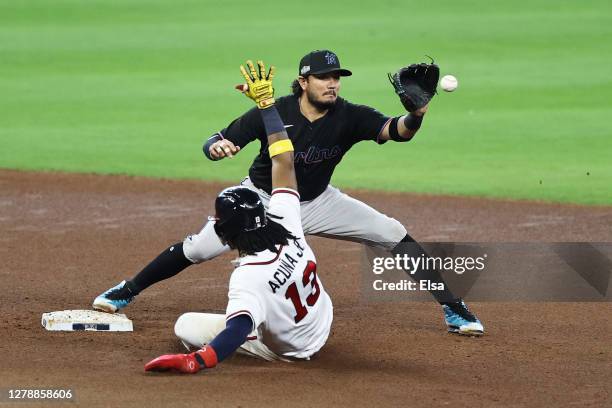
(65, 238)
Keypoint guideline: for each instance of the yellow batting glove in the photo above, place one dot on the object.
(258, 84)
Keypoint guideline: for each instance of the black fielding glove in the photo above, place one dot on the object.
(416, 84)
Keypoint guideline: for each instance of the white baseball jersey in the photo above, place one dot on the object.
(282, 293)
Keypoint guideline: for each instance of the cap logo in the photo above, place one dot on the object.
(331, 58)
(305, 69)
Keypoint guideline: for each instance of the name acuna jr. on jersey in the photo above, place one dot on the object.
(285, 268)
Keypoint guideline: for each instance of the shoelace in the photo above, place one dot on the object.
(123, 293)
(462, 311)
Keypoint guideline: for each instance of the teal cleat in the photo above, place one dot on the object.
(460, 320)
(115, 298)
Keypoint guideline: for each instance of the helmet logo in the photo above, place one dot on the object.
(330, 58)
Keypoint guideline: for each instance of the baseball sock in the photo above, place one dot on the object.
(415, 250)
(167, 264)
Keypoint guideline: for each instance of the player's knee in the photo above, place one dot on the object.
(203, 246)
(190, 249)
(390, 232)
(180, 326)
(184, 328)
(398, 231)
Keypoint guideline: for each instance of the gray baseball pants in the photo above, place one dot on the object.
(332, 214)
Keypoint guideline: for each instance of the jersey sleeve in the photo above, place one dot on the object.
(243, 299)
(245, 129)
(284, 208)
(368, 123)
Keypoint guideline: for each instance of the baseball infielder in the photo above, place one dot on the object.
(278, 308)
(323, 127)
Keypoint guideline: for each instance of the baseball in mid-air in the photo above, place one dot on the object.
(448, 83)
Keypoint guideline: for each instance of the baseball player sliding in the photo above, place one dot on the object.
(278, 308)
(323, 127)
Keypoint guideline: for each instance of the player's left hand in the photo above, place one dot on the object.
(184, 363)
(416, 85)
(258, 85)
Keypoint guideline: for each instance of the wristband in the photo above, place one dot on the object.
(413, 122)
(265, 103)
(279, 147)
(393, 133)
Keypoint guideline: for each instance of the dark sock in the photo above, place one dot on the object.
(415, 250)
(235, 333)
(167, 264)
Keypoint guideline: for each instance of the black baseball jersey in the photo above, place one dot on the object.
(319, 145)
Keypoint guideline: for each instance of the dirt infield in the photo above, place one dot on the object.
(65, 238)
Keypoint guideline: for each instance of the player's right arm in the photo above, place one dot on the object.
(229, 141)
(259, 89)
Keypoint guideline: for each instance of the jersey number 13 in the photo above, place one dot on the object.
(309, 277)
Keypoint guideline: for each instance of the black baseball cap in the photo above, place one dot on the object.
(321, 62)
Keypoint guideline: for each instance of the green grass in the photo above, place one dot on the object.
(135, 87)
